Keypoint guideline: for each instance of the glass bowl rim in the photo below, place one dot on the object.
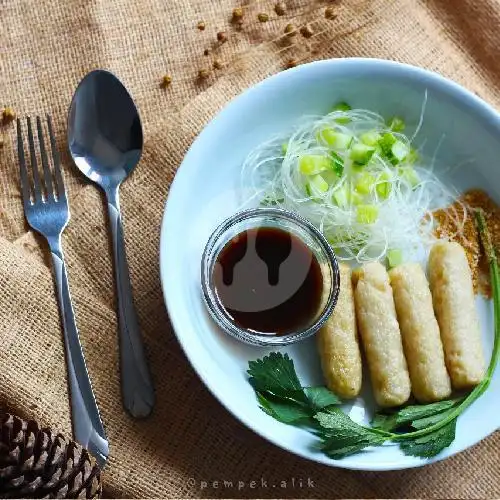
(213, 304)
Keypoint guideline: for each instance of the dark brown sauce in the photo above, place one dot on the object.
(269, 281)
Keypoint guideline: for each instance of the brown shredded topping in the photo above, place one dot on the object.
(448, 221)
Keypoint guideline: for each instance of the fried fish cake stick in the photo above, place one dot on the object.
(453, 296)
(338, 343)
(380, 335)
(420, 332)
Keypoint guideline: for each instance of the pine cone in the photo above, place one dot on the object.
(36, 463)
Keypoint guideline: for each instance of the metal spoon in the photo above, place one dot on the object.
(105, 141)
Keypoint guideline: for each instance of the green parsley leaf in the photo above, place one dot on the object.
(424, 423)
(342, 436)
(275, 374)
(321, 397)
(390, 421)
(383, 421)
(430, 444)
(285, 412)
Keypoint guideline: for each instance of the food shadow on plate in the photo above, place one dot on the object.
(307, 365)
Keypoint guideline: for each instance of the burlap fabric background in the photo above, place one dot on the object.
(45, 48)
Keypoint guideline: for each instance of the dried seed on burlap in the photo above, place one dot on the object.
(237, 14)
(306, 31)
(206, 52)
(263, 17)
(8, 115)
(165, 81)
(291, 63)
(280, 8)
(290, 30)
(201, 25)
(203, 74)
(222, 36)
(217, 64)
(330, 13)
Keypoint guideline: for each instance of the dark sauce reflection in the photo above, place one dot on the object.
(269, 281)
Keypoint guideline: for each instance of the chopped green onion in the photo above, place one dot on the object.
(386, 142)
(342, 106)
(383, 186)
(330, 176)
(361, 153)
(394, 257)
(319, 183)
(370, 138)
(396, 124)
(355, 198)
(336, 140)
(393, 149)
(340, 197)
(284, 147)
(344, 197)
(337, 164)
(410, 175)
(366, 214)
(364, 183)
(399, 151)
(316, 186)
(314, 164)
(270, 200)
(412, 156)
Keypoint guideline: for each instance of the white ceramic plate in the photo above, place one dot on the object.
(206, 191)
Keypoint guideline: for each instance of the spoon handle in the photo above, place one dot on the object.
(137, 387)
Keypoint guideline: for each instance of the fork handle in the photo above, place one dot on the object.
(87, 426)
(137, 386)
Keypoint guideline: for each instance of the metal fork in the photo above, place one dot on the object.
(47, 213)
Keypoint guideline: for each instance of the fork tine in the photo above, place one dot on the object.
(61, 193)
(37, 188)
(45, 162)
(25, 186)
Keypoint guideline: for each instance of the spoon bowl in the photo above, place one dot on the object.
(104, 129)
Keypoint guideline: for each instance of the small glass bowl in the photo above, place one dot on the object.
(297, 226)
